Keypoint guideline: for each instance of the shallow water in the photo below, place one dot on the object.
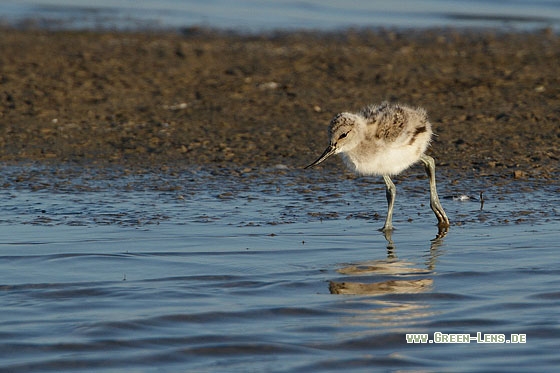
(254, 15)
(232, 270)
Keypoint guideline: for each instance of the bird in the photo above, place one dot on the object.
(385, 140)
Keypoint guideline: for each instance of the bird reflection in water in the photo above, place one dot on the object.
(392, 266)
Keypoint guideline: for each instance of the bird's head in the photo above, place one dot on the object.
(344, 134)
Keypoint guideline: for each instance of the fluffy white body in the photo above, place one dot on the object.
(384, 140)
(386, 160)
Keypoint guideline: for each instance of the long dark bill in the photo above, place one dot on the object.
(327, 153)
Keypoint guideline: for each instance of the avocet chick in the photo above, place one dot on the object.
(385, 140)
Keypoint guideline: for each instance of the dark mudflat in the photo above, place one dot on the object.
(209, 98)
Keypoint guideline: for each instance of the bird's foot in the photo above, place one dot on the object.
(442, 232)
(387, 228)
(443, 222)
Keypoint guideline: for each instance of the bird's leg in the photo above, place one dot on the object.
(390, 192)
(430, 165)
(390, 244)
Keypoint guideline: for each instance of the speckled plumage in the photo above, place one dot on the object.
(384, 140)
(381, 139)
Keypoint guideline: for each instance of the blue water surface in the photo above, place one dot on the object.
(201, 272)
(258, 15)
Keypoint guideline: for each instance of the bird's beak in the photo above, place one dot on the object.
(327, 153)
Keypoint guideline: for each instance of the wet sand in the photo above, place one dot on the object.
(205, 98)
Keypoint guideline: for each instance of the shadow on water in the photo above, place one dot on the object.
(392, 267)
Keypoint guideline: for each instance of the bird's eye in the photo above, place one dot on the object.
(343, 136)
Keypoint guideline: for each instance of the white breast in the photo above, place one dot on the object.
(384, 160)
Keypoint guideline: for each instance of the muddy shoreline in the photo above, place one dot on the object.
(205, 98)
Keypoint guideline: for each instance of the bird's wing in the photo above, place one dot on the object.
(387, 122)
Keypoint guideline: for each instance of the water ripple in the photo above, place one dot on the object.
(262, 285)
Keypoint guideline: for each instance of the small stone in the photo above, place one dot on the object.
(518, 174)
(269, 85)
